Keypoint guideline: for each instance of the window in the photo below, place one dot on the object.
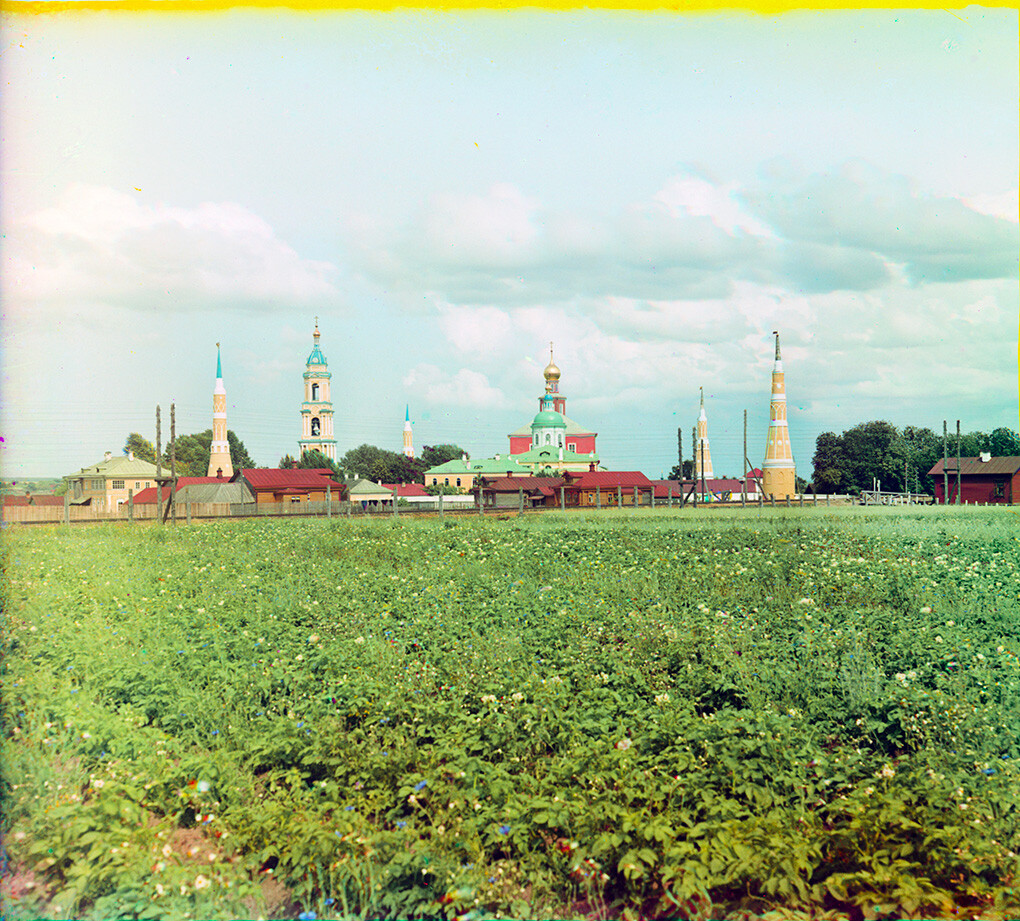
(117, 484)
(98, 484)
(315, 392)
(446, 481)
(138, 484)
(458, 481)
(1000, 490)
(315, 425)
(571, 448)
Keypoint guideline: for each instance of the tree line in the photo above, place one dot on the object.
(191, 457)
(899, 458)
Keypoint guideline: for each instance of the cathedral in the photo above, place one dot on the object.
(556, 429)
(552, 443)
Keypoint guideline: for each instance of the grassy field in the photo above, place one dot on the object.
(713, 714)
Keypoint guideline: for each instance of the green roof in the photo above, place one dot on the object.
(550, 454)
(121, 466)
(572, 428)
(367, 488)
(484, 466)
(549, 418)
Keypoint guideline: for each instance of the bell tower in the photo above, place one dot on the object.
(317, 407)
(408, 440)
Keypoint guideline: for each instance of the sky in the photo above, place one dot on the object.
(653, 193)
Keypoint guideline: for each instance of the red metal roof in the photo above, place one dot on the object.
(542, 484)
(148, 496)
(608, 479)
(403, 490)
(275, 479)
(36, 500)
(1001, 466)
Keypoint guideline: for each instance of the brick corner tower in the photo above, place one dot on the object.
(779, 473)
(219, 450)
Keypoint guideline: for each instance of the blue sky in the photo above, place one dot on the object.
(448, 192)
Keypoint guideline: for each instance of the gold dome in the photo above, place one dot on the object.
(552, 373)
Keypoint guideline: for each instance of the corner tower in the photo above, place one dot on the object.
(317, 408)
(779, 473)
(219, 450)
(408, 435)
(703, 455)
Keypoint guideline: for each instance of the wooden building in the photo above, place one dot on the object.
(983, 480)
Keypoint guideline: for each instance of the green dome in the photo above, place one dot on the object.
(548, 418)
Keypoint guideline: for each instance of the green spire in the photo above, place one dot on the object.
(219, 366)
(407, 414)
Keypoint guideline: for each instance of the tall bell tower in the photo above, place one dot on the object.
(317, 408)
(779, 473)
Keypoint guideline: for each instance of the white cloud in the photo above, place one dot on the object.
(1002, 204)
(692, 195)
(98, 245)
(464, 388)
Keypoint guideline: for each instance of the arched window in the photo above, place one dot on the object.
(458, 481)
(315, 392)
(315, 425)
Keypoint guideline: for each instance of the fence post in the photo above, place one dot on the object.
(329, 501)
(131, 505)
(187, 508)
(651, 493)
(67, 507)
(395, 499)
(670, 496)
(481, 498)
(619, 497)
(440, 505)
(802, 500)
(598, 497)
(520, 502)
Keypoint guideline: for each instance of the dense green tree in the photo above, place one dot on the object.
(286, 462)
(191, 453)
(442, 489)
(315, 460)
(1003, 442)
(828, 463)
(675, 473)
(239, 457)
(141, 447)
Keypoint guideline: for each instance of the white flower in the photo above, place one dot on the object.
(939, 639)
(203, 786)
(887, 771)
(624, 744)
(201, 882)
(488, 698)
(926, 610)
(314, 638)
(950, 623)
(360, 640)
(661, 699)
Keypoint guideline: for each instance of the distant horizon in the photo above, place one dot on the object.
(448, 192)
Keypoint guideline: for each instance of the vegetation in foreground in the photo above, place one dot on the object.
(710, 715)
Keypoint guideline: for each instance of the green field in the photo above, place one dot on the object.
(711, 714)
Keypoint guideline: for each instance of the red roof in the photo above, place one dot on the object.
(996, 466)
(404, 490)
(148, 496)
(608, 479)
(36, 500)
(276, 479)
(542, 484)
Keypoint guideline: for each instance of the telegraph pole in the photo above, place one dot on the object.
(957, 461)
(159, 472)
(945, 463)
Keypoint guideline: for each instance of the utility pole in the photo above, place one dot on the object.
(957, 461)
(159, 472)
(945, 464)
(743, 467)
(173, 464)
(694, 455)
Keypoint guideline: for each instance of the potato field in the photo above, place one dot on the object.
(710, 714)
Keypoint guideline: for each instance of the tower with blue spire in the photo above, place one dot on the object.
(317, 407)
(219, 453)
(408, 442)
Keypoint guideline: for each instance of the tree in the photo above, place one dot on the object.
(192, 452)
(239, 457)
(286, 462)
(871, 452)
(687, 473)
(828, 463)
(442, 489)
(316, 460)
(1003, 442)
(141, 447)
